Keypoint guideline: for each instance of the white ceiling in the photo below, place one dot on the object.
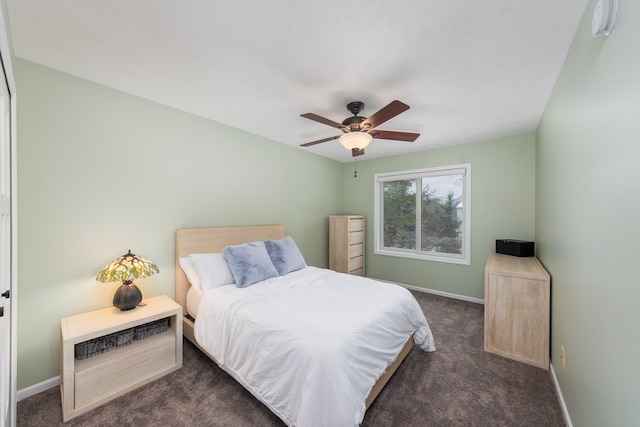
(471, 70)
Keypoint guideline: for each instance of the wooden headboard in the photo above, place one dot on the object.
(212, 240)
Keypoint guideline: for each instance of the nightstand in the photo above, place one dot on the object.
(87, 383)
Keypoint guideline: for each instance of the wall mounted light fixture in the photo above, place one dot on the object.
(604, 16)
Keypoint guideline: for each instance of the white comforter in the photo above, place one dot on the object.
(310, 345)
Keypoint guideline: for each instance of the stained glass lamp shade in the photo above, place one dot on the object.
(125, 269)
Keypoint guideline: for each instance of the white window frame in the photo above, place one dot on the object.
(378, 233)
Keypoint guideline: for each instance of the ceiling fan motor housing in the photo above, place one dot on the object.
(352, 124)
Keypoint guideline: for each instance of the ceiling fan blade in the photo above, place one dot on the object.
(320, 119)
(309, 144)
(393, 135)
(355, 152)
(390, 111)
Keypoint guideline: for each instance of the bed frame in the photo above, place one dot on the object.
(212, 240)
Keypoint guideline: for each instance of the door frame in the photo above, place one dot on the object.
(6, 55)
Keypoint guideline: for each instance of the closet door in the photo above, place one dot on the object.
(5, 257)
(7, 232)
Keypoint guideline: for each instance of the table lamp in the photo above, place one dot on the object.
(125, 269)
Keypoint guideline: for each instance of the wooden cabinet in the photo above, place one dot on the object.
(346, 244)
(89, 382)
(516, 310)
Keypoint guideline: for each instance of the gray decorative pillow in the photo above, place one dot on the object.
(285, 255)
(249, 263)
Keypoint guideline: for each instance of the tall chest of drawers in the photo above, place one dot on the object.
(346, 244)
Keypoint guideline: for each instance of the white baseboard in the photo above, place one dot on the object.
(565, 411)
(37, 388)
(435, 292)
(445, 294)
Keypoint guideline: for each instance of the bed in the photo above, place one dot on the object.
(321, 390)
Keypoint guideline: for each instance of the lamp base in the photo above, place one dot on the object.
(127, 296)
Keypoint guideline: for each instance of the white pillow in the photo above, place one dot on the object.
(213, 270)
(190, 271)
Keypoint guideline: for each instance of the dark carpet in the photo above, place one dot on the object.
(457, 385)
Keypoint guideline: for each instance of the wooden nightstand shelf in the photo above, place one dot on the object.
(88, 383)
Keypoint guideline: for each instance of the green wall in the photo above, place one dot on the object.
(101, 171)
(588, 186)
(502, 206)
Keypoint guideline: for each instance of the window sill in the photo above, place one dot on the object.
(425, 256)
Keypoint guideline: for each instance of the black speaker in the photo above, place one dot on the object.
(512, 247)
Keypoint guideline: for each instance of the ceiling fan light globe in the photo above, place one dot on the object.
(357, 140)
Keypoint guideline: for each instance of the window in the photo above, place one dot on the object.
(424, 214)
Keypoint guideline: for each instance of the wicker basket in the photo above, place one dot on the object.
(100, 345)
(151, 328)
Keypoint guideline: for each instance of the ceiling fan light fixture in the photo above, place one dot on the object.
(357, 140)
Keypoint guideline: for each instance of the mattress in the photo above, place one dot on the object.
(194, 297)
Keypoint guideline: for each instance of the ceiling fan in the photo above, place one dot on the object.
(358, 131)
